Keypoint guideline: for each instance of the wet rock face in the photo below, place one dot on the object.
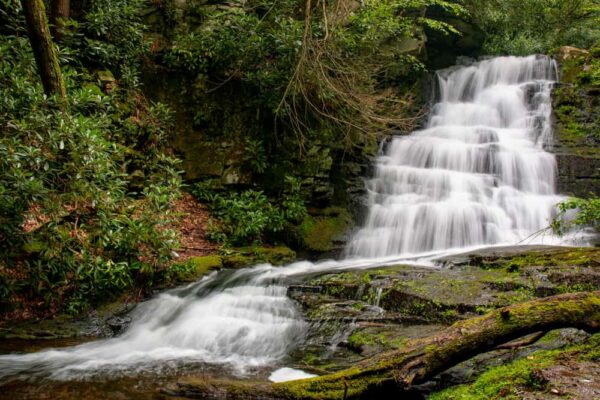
(356, 314)
(576, 107)
(578, 175)
(108, 320)
(442, 49)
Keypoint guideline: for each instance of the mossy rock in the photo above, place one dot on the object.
(322, 231)
(434, 295)
(194, 268)
(567, 372)
(61, 327)
(473, 285)
(277, 255)
(248, 256)
(67, 327)
(236, 261)
(577, 122)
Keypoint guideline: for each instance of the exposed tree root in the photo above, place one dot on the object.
(529, 340)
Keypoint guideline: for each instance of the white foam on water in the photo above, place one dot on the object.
(289, 374)
(239, 319)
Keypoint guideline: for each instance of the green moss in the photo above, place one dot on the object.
(238, 261)
(329, 387)
(33, 246)
(318, 232)
(359, 338)
(590, 351)
(205, 263)
(362, 337)
(575, 103)
(346, 285)
(576, 287)
(277, 255)
(449, 315)
(559, 257)
(517, 296)
(194, 268)
(512, 379)
(241, 257)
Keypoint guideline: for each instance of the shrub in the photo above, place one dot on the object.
(523, 27)
(84, 193)
(311, 72)
(250, 216)
(587, 213)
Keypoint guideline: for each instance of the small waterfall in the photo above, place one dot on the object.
(378, 293)
(242, 319)
(477, 174)
(238, 319)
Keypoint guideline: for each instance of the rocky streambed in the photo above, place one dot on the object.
(357, 314)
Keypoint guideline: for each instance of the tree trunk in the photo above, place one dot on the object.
(59, 15)
(43, 49)
(388, 374)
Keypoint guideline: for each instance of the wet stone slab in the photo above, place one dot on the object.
(356, 314)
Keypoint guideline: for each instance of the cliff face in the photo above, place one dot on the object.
(576, 103)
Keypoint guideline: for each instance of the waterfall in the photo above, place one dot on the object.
(477, 174)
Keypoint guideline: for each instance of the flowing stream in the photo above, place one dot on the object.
(477, 175)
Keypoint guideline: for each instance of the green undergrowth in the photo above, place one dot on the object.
(250, 216)
(284, 65)
(524, 27)
(511, 380)
(85, 191)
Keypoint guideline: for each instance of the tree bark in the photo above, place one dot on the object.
(60, 13)
(43, 49)
(388, 374)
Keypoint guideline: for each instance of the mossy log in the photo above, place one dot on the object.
(422, 359)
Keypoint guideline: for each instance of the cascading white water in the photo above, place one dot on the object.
(240, 319)
(477, 175)
(243, 320)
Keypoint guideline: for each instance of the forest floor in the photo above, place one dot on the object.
(192, 220)
(192, 223)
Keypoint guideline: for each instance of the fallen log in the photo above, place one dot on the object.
(421, 359)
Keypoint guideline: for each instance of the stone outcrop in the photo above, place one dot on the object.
(576, 107)
(578, 175)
